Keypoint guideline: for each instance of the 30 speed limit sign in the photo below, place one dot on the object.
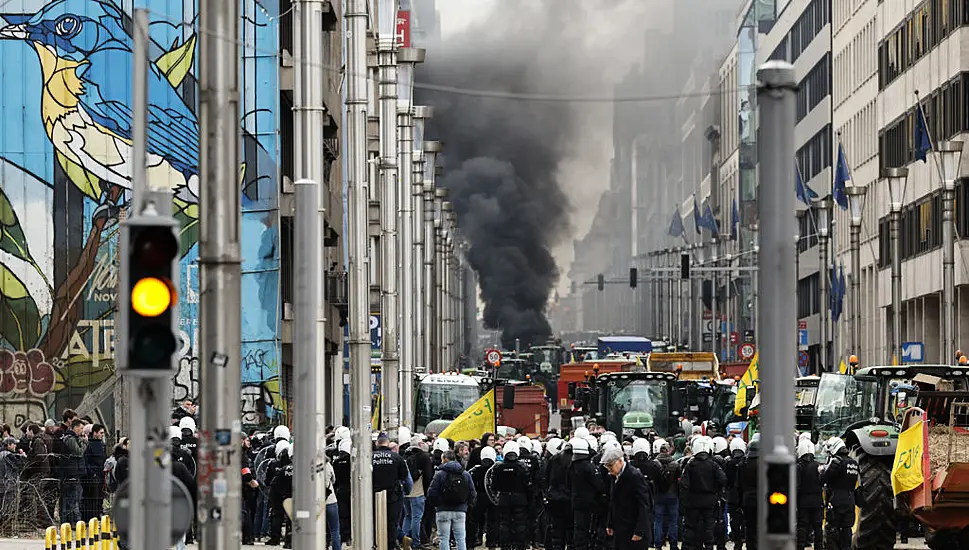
(493, 357)
(747, 351)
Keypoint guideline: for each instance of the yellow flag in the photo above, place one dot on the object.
(639, 361)
(475, 421)
(843, 368)
(375, 419)
(894, 360)
(749, 379)
(907, 470)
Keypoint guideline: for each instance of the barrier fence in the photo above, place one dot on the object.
(29, 506)
(97, 534)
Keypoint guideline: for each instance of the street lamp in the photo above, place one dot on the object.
(823, 208)
(856, 204)
(951, 153)
(896, 192)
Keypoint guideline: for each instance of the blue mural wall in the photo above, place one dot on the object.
(65, 131)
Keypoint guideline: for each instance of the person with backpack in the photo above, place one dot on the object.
(452, 492)
(667, 502)
(421, 472)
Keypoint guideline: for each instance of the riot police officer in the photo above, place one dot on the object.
(588, 491)
(810, 505)
(701, 484)
(483, 519)
(735, 501)
(559, 494)
(390, 474)
(840, 475)
(513, 486)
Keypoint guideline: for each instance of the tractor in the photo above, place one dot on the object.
(867, 410)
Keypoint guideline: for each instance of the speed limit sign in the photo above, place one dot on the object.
(493, 357)
(746, 351)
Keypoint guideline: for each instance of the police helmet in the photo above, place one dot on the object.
(835, 445)
(403, 435)
(580, 433)
(641, 445)
(441, 444)
(805, 447)
(719, 445)
(281, 447)
(593, 444)
(611, 444)
(702, 444)
(738, 445)
(188, 423)
(341, 433)
(659, 445)
(281, 432)
(607, 436)
(488, 452)
(537, 446)
(555, 445)
(510, 448)
(580, 445)
(174, 432)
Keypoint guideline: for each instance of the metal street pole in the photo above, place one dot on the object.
(150, 488)
(389, 299)
(896, 191)
(776, 94)
(421, 114)
(951, 153)
(670, 314)
(715, 331)
(431, 149)
(856, 202)
(823, 208)
(220, 272)
(309, 360)
(361, 483)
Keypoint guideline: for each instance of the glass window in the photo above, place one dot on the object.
(442, 402)
(842, 401)
(638, 405)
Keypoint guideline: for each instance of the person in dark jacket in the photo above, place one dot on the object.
(475, 457)
(281, 488)
(181, 473)
(73, 473)
(588, 491)
(513, 485)
(452, 491)
(735, 509)
(630, 517)
(665, 475)
(483, 521)
(748, 492)
(700, 487)
(92, 505)
(559, 494)
(421, 473)
(341, 467)
(810, 505)
(390, 474)
(840, 476)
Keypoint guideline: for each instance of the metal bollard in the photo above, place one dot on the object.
(94, 532)
(50, 538)
(66, 536)
(107, 534)
(80, 536)
(380, 517)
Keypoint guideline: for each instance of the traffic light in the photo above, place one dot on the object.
(633, 277)
(149, 295)
(601, 282)
(780, 519)
(684, 266)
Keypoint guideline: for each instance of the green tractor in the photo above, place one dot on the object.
(866, 410)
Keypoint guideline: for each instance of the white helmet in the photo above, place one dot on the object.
(805, 447)
(281, 432)
(658, 446)
(738, 445)
(555, 445)
(641, 445)
(281, 446)
(488, 452)
(607, 436)
(804, 435)
(537, 446)
(593, 444)
(441, 444)
(187, 423)
(510, 448)
(702, 444)
(341, 433)
(580, 433)
(719, 445)
(403, 435)
(174, 432)
(345, 445)
(580, 445)
(611, 444)
(524, 443)
(834, 445)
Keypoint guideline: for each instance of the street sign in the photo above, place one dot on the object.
(707, 337)
(802, 324)
(802, 337)
(708, 325)
(746, 351)
(913, 352)
(802, 358)
(182, 509)
(734, 337)
(493, 357)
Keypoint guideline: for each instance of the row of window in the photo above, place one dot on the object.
(921, 225)
(809, 296)
(945, 113)
(815, 155)
(856, 63)
(807, 225)
(928, 24)
(814, 87)
(807, 26)
(860, 136)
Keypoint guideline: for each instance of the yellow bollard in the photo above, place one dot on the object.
(50, 538)
(66, 536)
(94, 532)
(80, 536)
(107, 540)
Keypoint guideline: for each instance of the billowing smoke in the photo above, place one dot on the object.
(511, 164)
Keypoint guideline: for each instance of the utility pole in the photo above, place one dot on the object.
(431, 150)
(823, 208)
(309, 519)
(361, 482)
(421, 114)
(896, 195)
(408, 58)
(951, 154)
(776, 93)
(389, 314)
(670, 314)
(220, 272)
(856, 201)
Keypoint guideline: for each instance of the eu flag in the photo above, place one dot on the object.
(676, 224)
(841, 177)
(734, 219)
(804, 193)
(922, 142)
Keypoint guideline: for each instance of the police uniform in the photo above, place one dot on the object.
(390, 474)
(511, 482)
(840, 477)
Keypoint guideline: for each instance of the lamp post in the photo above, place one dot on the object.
(823, 208)
(856, 204)
(896, 192)
(797, 266)
(951, 152)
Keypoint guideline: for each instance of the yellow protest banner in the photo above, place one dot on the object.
(749, 378)
(907, 470)
(475, 421)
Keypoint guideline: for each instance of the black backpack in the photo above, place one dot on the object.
(412, 466)
(454, 489)
(667, 478)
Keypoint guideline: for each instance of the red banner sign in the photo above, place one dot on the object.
(403, 29)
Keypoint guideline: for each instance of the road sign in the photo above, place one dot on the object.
(182, 509)
(802, 337)
(707, 337)
(708, 325)
(746, 351)
(802, 358)
(493, 357)
(734, 337)
(913, 352)
(802, 324)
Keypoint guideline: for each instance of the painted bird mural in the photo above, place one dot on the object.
(85, 55)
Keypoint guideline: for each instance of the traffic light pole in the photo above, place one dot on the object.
(776, 93)
(220, 487)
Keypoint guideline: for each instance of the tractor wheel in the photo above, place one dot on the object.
(876, 524)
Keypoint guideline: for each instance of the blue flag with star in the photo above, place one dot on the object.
(842, 175)
(922, 142)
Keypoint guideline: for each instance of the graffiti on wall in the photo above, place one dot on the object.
(65, 183)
